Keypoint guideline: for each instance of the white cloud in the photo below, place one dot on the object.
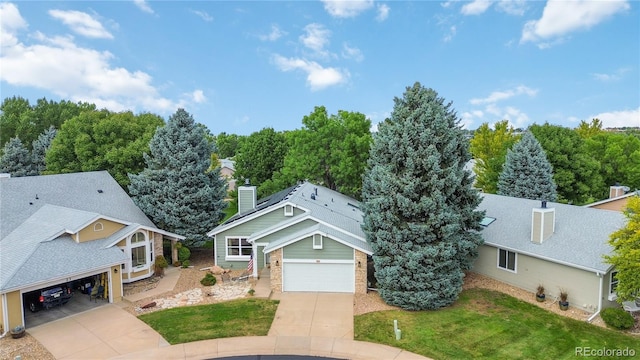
(352, 53)
(622, 118)
(383, 12)
(346, 8)
(142, 5)
(449, 36)
(318, 77)
(512, 7)
(274, 35)
(476, 7)
(203, 15)
(81, 23)
(11, 23)
(503, 95)
(58, 65)
(197, 96)
(316, 38)
(561, 17)
(615, 76)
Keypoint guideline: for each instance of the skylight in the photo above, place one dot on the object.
(486, 221)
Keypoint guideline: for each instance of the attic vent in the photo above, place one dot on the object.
(100, 191)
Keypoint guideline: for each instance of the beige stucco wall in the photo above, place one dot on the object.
(616, 205)
(276, 270)
(116, 283)
(582, 286)
(360, 272)
(108, 228)
(14, 307)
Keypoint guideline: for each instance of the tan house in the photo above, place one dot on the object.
(227, 170)
(617, 201)
(306, 237)
(71, 229)
(528, 243)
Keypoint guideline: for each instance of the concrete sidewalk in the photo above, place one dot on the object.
(276, 345)
(166, 283)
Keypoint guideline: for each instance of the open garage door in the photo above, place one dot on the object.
(57, 301)
(321, 277)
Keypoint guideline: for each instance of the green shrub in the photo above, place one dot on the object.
(208, 280)
(183, 254)
(185, 264)
(617, 318)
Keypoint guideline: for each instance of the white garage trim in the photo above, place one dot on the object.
(64, 280)
(321, 275)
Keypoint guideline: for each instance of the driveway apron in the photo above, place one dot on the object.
(314, 314)
(101, 333)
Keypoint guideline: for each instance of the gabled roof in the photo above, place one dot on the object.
(96, 192)
(326, 206)
(323, 230)
(580, 237)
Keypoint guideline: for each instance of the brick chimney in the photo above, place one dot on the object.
(247, 194)
(543, 223)
(616, 191)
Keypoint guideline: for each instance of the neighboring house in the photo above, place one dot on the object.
(71, 228)
(556, 245)
(308, 236)
(227, 169)
(618, 197)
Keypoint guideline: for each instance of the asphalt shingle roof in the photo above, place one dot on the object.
(580, 237)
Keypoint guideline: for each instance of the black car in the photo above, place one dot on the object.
(48, 297)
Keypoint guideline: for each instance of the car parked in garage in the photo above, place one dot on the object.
(47, 298)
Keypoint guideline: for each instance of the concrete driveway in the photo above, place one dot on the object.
(101, 333)
(314, 315)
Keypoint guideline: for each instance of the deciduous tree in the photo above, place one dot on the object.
(177, 189)
(489, 150)
(260, 155)
(626, 253)
(419, 204)
(527, 173)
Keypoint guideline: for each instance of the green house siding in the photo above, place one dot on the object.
(331, 250)
(289, 230)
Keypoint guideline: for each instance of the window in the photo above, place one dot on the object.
(288, 210)
(317, 241)
(98, 226)
(139, 256)
(238, 247)
(507, 260)
(137, 237)
(613, 284)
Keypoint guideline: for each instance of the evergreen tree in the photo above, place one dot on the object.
(40, 147)
(527, 173)
(419, 204)
(15, 159)
(176, 189)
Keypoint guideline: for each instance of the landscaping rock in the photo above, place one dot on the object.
(149, 305)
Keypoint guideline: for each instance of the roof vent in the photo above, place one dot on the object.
(100, 191)
(544, 204)
(37, 198)
(313, 196)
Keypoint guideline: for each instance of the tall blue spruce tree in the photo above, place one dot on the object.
(527, 173)
(419, 204)
(40, 147)
(176, 189)
(15, 159)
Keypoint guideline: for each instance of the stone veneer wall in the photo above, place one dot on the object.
(276, 270)
(361, 272)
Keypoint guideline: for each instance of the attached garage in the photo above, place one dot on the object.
(323, 276)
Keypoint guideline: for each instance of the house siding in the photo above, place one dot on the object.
(331, 250)
(582, 286)
(14, 309)
(291, 229)
(245, 230)
(108, 228)
(116, 284)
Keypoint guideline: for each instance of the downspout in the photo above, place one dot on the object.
(590, 319)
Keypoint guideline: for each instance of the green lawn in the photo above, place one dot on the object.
(485, 324)
(244, 317)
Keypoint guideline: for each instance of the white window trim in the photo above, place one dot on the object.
(506, 268)
(137, 245)
(288, 210)
(317, 241)
(228, 257)
(98, 226)
(613, 296)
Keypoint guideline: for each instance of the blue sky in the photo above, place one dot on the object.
(242, 66)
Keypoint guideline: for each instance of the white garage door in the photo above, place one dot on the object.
(325, 277)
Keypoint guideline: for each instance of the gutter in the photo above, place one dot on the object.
(590, 319)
